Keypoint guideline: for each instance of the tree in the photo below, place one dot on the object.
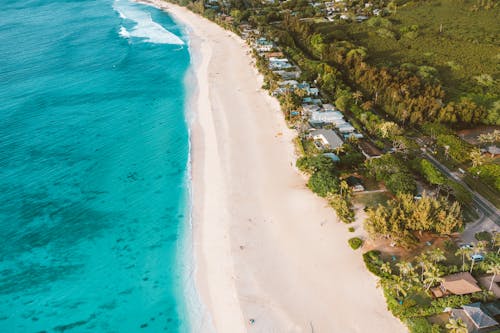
(323, 183)
(456, 326)
(431, 173)
(436, 255)
(496, 241)
(463, 251)
(405, 269)
(401, 183)
(477, 158)
(357, 95)
(386, 268)
(432, 276)
(399, 285)
(422, 262)
(495, 270)
(344, 188)
(339, 149)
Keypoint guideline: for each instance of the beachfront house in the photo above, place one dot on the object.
(456, 284)
(369, 150)
(308, 109)
(355, 184)
(288, 83)
(329, 108)
(476, 318)
(345, 128)
(326, 139)
(279, 63)
(310, 100)
(288, 74)
(263, 45)
(331, 117)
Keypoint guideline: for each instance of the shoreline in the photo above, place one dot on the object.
(265, 247)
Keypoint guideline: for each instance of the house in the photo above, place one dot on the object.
(345, 128)
(269, 55)
(329, 108)
(353, 135)
(325, 117)
(456, 284)
(355, 183)
(361, 18)
(279, 63)
(288, 75)
(288, 83)
(263, 45)
(310, 100)
(369, 150)
(327, 139)
(308, 109)
(485, 282)
(475, 317)
(493, 150)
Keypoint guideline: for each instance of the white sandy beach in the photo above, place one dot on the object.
(265, 246)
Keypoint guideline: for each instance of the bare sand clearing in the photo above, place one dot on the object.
(266, 248)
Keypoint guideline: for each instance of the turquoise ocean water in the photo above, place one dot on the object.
(93, 167)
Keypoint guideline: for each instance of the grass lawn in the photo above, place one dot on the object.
(372, 199)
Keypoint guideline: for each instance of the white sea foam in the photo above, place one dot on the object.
(145, 27)
(124, 33)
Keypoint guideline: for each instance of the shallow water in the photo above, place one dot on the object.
(93, 160)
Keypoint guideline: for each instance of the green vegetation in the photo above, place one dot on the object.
(351, 229)
(488, 173)
(391, 169)
(407, 284)
(355, 243)
(454, 43)
(324, 181)
(403, 216)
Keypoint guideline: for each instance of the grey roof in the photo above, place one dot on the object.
(478, 316)
(333, 139)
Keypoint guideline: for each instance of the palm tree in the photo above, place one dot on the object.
(432, 277)
(340, 149)
(405, 268)
(496, 241)
(476, 157)
(472, 261)
(463, 251)
(456, 326)
(344, 187)
(495, 270)
(436, 255)
(422, 262)
(357, 95)
(399, 286)
(386, 268)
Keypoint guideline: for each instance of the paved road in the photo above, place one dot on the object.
(487, 209)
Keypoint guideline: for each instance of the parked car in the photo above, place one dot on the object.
(477, 257)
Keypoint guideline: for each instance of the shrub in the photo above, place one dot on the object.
(483, 235)
(372, 262)
(323, 183)
(421, 325)
(351, 229)
(355, 243)
(342, 207)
